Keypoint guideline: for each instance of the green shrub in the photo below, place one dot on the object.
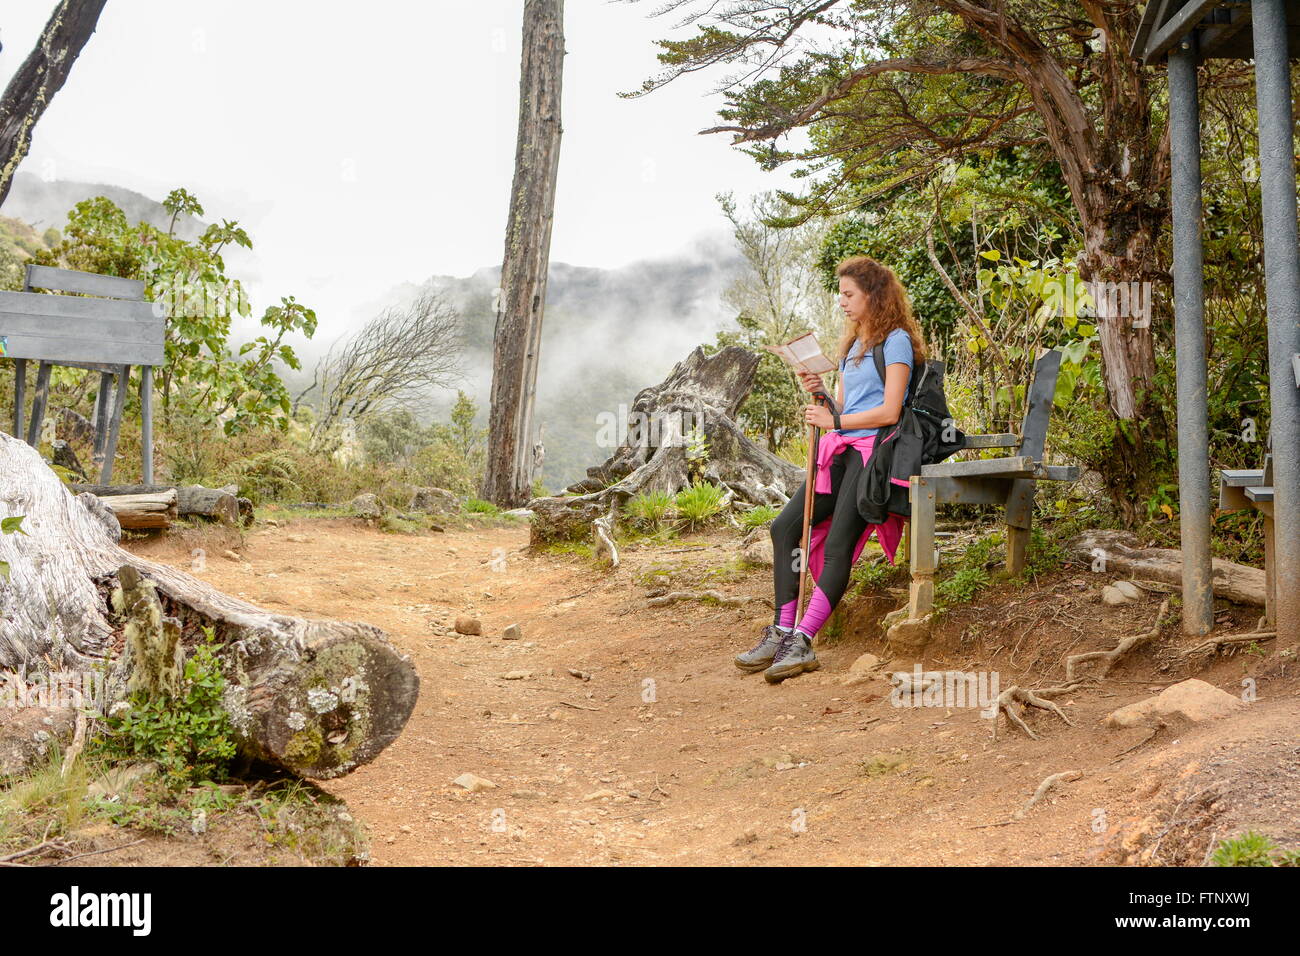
(700, 502)
(758, 516)
(1253, 849)
(650, 509)
(189, 736)
(479, 506)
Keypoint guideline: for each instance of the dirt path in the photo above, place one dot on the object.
(668, 754)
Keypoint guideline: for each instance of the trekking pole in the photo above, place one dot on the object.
(814, 439)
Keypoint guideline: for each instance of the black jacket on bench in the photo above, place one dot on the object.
(919, 439)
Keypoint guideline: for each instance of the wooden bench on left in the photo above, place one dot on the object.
(107, 327)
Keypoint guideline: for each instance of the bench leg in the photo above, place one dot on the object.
(146, 424)
(101, 415)
(39, 401)
(920, 547)
(115, 424)
(20, 395)
(1019, 518)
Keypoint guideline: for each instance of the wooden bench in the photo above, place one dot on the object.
(1010, 482)
(106, 327)
(1242, 489)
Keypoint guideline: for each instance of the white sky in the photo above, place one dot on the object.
(363, 145)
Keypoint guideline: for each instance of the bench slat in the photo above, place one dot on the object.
(1005, 440)
(1260, 493)
(90, 350)
(1019, 466)
(88, 283)
(78, 307)
(1241, 478)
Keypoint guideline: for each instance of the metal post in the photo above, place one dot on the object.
(1189, 339)
(1282, 287)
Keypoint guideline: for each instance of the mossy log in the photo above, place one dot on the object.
(318, 698)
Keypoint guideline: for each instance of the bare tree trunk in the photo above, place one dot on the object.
(42, 75)
(508, 478)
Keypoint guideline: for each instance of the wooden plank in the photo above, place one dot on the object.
(59, 349)
(115, 424)
(1039, 410)
(1241, 477)
(1004, 440)
(101, 415)
(1019, 466)
(969, 491)
(1058, 472)
(87, 283)
(20, 395)
(1260, 493)
(1232, 498)
(39, 401)
(119, 328)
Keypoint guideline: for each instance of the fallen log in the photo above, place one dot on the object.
(1121, 552)
(318, 698)
(142, 512)
(217, 504)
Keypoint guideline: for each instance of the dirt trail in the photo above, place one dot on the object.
(668, 754)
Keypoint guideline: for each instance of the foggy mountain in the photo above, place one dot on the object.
(606, 334)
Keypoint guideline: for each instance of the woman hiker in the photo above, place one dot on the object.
(878, 315)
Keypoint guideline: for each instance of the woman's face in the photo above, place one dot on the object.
(852, 299)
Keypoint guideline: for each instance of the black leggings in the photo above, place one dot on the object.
(847, 526)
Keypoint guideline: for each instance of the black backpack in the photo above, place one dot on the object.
(926, 434)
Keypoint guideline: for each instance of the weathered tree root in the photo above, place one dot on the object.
(1216, 644)
(1012, 700)
(1046, 785)
(602, 529)
(673, 597)
(1111, 657)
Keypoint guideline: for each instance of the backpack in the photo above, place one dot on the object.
(926, 434)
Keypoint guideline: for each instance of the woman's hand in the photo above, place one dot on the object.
(818, 415)
(812, 383)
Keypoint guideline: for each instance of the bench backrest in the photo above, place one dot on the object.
(120, 329)
(1038, 411)
(86, 283)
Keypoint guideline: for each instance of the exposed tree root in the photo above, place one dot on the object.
(1048, 784)
(1110, 658)
(1216, 644)
(1013, 700)
(673, 597)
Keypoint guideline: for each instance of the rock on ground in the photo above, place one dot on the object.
(1193, 699)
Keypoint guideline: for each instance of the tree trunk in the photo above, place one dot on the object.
(42, 75)
(652, 456)
(318, 698)
(508, 479)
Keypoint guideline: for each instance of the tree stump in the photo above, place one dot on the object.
(318, 698)
(703, 392)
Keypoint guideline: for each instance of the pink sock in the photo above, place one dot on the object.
(819, 609)
(786, 618)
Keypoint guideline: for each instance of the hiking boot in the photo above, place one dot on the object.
(794, 656)
(761, 654)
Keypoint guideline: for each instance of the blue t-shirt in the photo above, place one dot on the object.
(863, 388)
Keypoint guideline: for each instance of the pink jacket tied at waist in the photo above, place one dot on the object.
(888, 534)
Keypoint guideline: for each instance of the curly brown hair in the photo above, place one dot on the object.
(890, 308)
